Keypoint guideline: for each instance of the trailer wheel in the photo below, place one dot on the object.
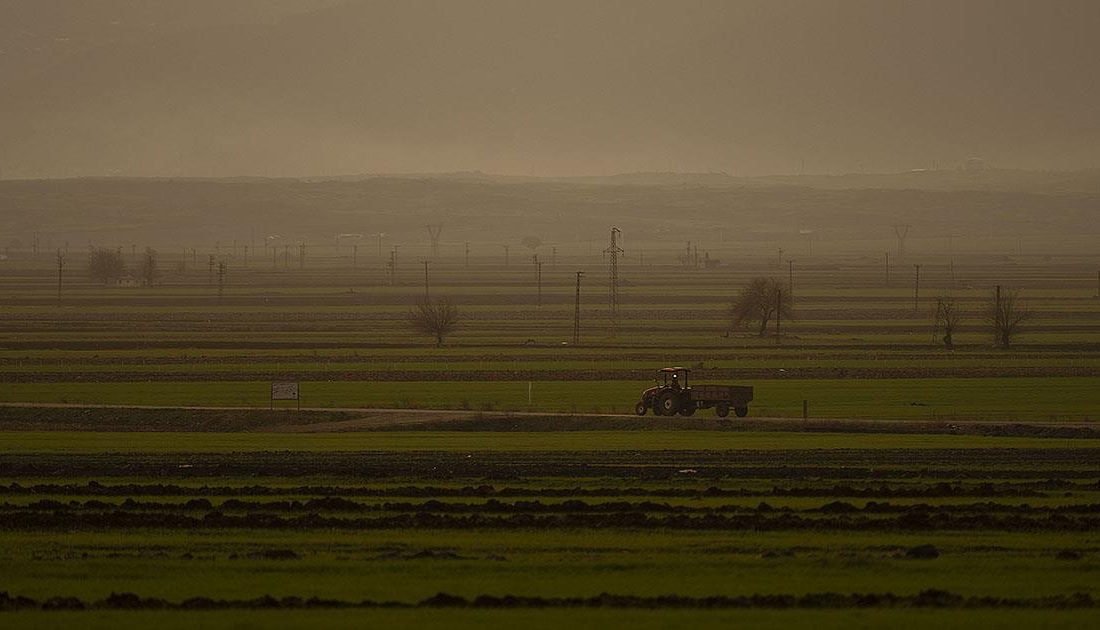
(687, 410)
(741, 411)
(640, 408)
(668, 403)
(722, 409)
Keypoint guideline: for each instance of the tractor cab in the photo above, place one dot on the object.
(672, 378)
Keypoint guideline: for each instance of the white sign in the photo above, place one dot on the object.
(284, 391)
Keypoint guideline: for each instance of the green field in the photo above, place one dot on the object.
(400, 517)
(474, 442)
(504, 463)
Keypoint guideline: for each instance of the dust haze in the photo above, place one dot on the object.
(566, 88)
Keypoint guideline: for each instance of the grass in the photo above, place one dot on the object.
(905, 619)
(1002, 399)
(470, 441)
(354, 565)
(54, 441)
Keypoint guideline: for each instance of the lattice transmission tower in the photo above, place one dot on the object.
(433, 236)
(613, 250)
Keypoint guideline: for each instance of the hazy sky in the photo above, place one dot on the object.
(562, 87)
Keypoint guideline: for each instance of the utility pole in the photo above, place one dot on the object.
(790, 276)
(538, 281)
(221, 278)
(210, 270)
(393, 266)
(778, 315)
(302, 255)
(916, 288)
(577, 311)
(355, 255)
(60, 269)
(467, 253)
(427, 296)
(887, 268)
(505, 255)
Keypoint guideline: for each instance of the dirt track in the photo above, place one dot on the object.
(78, 417)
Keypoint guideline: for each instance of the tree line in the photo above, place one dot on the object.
(761, 302)
(764, 300)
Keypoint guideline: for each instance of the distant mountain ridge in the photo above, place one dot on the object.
(479, 208)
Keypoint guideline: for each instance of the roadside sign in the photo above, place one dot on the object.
(285, 391)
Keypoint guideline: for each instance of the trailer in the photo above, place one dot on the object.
(673, 395)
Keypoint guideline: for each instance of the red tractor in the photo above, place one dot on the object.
(673, 395)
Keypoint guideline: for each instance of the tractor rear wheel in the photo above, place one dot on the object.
(741, 411)
(668, 403)
(722, 409)
(640, 408)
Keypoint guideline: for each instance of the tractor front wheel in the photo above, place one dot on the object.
(687, 410)
(640, 408)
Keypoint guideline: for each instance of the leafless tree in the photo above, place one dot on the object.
(1004, 315)
(531, 242)
(438, 318)
(761, 300)
(148, 270)
(105, 265)
(948, 317)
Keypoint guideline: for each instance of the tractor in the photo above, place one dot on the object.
(673, 395)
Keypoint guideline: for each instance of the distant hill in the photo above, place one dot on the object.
(662, 210)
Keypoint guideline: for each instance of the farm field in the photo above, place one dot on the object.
(700, 526)
(502, 478)
(337, 326)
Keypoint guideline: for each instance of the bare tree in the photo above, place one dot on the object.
(948, 317)
(761, 300)
(105, 265)
(439, 318)
(148, 270)
(531, 242)
(1004, 315)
